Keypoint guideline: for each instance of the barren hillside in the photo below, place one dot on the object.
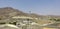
(8, 12)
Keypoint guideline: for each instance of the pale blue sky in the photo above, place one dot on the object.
(44, 7)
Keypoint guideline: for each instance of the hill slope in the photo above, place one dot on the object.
(8, 12)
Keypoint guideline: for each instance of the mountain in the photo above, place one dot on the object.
(8, 12)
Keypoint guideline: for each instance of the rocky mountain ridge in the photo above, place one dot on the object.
(7, 12)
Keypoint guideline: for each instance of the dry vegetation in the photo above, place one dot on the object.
(8, 12)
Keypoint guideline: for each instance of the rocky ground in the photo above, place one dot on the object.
(7, 22)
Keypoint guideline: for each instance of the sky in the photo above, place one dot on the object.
(41, 7)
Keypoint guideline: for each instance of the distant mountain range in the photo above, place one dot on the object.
(8, 12)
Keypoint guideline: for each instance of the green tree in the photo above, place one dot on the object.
(55, 20)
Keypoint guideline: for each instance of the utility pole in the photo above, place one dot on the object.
(28, 24)
(29, 12)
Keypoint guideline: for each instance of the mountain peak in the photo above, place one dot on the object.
(8, 8)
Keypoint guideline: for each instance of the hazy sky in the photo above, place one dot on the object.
(44, 7)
